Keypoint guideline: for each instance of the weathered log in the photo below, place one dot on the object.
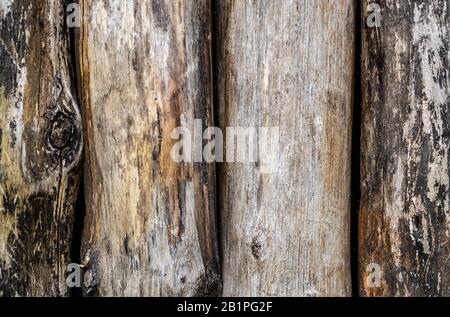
(41, 144)
(150, 226)
(404, 217)
(287, 64)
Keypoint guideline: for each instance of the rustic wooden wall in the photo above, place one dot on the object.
(287, 64)
(404, 218)
(135, 70)
(40, 148)
(150, 227)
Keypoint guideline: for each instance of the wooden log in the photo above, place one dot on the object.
(40, 148)
(404, 218)
(287, 64)
(145, 69)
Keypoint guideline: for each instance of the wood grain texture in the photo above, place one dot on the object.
(41, 144)
(287, 64)
(145, 69)
(404, 218)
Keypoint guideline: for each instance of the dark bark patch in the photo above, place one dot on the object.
(209, 284)
(160, 14)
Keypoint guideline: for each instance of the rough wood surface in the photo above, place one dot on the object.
(145, 70)
(287, 64)
(40, 148)
(404, 218)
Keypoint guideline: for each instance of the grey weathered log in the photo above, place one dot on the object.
(404, 218)
(145, 69)
(287, 64)
(40, 148)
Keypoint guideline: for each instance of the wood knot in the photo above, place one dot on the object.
(91, 281)
(256, 248)
(61, 131)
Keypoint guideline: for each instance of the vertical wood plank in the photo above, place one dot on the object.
(287, 64)
(40, 148)
(404, 217)
(145, 69)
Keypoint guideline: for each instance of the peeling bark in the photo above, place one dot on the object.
(287, 64)
(40, 148)
(145, 70)
(404, 219)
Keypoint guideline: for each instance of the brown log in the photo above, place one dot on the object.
(287, 64)
(40, 148)
(150, 226)
(404, 218)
